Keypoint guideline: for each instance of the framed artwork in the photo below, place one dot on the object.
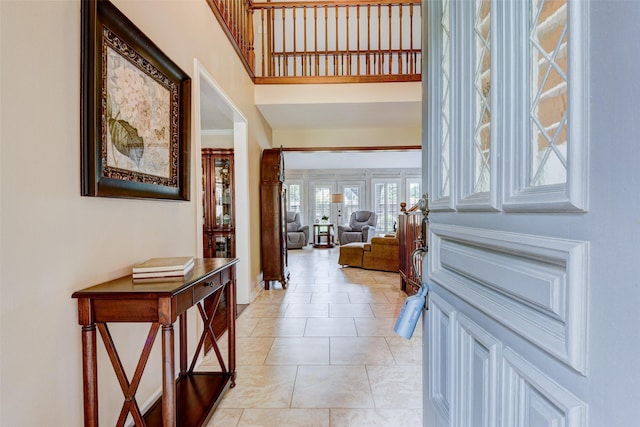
(135, 111)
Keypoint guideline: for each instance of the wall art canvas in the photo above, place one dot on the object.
(136, 111)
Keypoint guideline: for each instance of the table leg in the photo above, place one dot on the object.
(90, 375)
(183, 343)
(168, 378)
(230, 289)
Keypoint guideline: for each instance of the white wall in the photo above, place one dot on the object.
(53, 241)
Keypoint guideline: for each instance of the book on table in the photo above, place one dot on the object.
(163, 267)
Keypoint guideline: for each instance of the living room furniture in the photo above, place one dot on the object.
(361, 228)
(189, 400)
(297, 234)
(218, 203)
(273, 238)
(323, 236)
(410, 238)
(382, 253)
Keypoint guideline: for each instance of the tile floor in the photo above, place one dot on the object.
(323, 352)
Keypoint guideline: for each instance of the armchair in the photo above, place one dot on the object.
(361, 228)
(297, 234)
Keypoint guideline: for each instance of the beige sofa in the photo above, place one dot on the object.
(382, 253)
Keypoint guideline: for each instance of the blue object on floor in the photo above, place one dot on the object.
(410, 313)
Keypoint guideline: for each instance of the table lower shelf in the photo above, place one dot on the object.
(196, 396)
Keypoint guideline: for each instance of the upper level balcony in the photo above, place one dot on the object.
(355, 41)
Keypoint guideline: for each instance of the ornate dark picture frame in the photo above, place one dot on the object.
(136, 107)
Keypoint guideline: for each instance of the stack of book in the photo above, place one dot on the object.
(157, 268)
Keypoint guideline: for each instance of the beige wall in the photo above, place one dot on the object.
(310, 138)
(54, 241)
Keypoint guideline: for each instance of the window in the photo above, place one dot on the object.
(386, 205)
(295, 197)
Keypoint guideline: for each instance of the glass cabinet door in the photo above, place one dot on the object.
(223, 197)
(218, 203)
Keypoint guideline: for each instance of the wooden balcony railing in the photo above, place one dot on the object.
(325, 41)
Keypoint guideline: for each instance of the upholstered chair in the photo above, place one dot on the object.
(361, 228)
(297, 234)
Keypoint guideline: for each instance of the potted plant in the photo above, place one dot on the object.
(325, 219)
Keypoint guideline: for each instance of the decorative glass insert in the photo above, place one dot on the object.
(482, 98)
(445, 69)
(548, 110)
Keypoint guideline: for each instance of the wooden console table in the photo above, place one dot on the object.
(189, 399)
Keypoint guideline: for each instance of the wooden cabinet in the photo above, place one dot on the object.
(410, 237)
(273, 193)
(219, 231)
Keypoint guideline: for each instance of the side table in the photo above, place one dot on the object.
(323, 236)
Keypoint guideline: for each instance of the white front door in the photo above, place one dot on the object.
(532, 165)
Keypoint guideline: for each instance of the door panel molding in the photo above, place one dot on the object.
(534, 285)
(478, 356)
(442, 347)
(529, 396)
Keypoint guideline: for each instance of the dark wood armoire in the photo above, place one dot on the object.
(273, 215)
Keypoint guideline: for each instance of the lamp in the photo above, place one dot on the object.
(335, 199)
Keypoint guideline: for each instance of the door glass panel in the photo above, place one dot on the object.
(548, 111)
(482, 91)
(386, 206)
(322, 203)
(351, 202)
(414, 188)
(445, 110)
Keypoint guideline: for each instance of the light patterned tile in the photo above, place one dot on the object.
(288, 378)
(406, 352)
(261, 387)
(264, 310)
(297, 297)
(396, 386)
(270, 297)
(350, 310)
(332, 387)
(299, 351)
(225, 417)
(375, 418)
(245, 325)
(386, 310)
(376, 327)
(307, 310)
(284, 417)
(360, 351)
(330, 327)
(280, 327)
(254, 350)
(368, 297)
(330, 297)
